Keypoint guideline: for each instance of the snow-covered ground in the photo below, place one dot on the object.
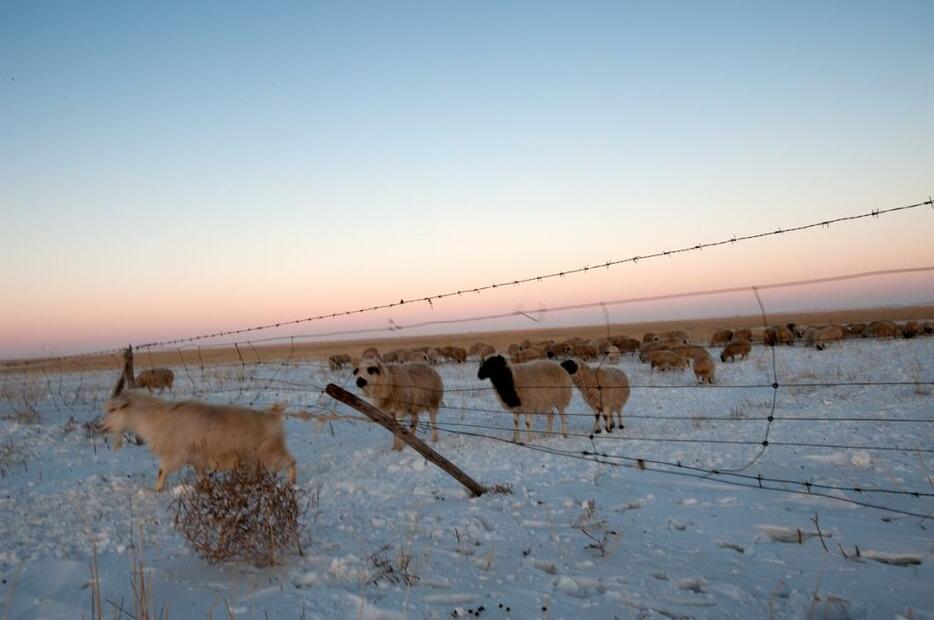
(575, 538)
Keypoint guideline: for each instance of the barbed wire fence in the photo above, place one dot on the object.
(76, 386)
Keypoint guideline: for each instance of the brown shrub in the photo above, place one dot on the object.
(246, 514)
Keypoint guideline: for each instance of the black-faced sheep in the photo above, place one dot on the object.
(605, 390)
(207, 437)
(401, 390)
(538, 387)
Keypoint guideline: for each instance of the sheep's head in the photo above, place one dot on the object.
(491, 367)
(369, 373)
(116, 420)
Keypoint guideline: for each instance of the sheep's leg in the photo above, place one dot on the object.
(550, 417)
(396, 442)
(515, 423)
(166, 469)
(564, 423)
(433, 416)
(596, 420)
(608, 419)
(528, 425)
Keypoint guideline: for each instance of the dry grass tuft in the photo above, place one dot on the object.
(247, 514)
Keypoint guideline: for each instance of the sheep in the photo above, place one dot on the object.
(584, 351)
(481, 350)
(512, 349)
(401, 390)
(740, 335)
(883, 329)
(649, 337)
(605, 390)
(338, 361)
(704, 369)
(740, 348)
(691, 352)
(666, 360)
(648, 348)
(927, 327)
(392, 356)
(778, 334)
(854, 330)
(624, 344)
(455, 354)
(527, 355)
(612, 354)
(155, 379)
(532, 388)
(674, 336)
(485, 351)
(823, 337)
(412, 356)
(205, 436)
(370, 353)
(558, 349)
(911, 329)
(721, 337)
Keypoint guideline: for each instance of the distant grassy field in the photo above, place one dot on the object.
(700, 330)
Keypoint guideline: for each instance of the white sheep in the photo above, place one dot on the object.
(402, 390)
(605, 390)
(532, 388)
(207, 437)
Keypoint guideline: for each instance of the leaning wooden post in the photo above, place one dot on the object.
(405, 435)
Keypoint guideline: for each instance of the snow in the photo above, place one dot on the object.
(576, 537)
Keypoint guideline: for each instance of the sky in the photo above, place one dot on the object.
(174, 168)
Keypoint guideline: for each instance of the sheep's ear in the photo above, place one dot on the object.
(355, 371)
(372, 370)
(570, 366)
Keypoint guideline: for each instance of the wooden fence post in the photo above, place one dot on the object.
(405, 435)
(127, 377)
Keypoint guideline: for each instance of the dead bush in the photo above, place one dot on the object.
(246, 514)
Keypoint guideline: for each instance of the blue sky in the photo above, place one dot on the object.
(233, 161)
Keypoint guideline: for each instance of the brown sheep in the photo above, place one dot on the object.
(338, 361)
(740, 335)
(854, 330)
(704, 369)
(666, 360)
(584, 351)
(207, 437)
(527, 355)
(533, 388)
(625, 345)
(826, 335)
(721, 337)
(677, 335)
(605, 390)
(927, 327)
(691, 352)
(155, 379)
(740, 348)
(911, 329)
(455, 354)
(649, 337)
(883, 329)
(413, 356)
(370, 353)
(402, 390)
(648, 348)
